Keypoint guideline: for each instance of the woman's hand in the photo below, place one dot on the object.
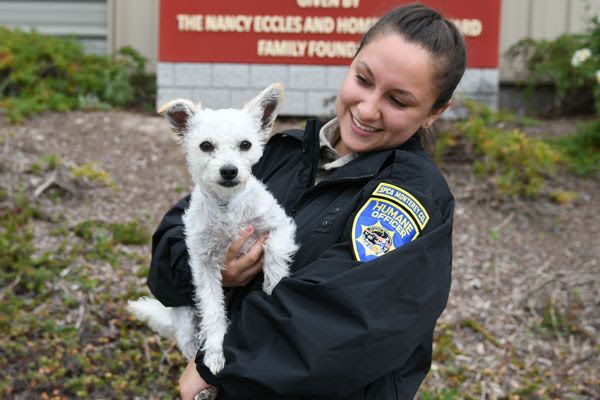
(240, 269)
(190, 382)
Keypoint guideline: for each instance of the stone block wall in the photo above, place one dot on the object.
(310, 89)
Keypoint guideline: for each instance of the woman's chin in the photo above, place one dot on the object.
(353, 144)
(350, 142)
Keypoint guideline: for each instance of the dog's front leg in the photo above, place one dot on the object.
(278, 252)
(213, 321)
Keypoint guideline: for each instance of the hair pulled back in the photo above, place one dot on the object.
(427, 28)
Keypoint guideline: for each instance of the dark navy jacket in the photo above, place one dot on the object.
(337, 328)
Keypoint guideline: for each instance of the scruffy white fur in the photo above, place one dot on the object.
(219, 142)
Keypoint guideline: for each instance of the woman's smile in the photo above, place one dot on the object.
(362, 129)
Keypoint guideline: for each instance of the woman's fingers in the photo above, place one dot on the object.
(234, 248)
(254, 253)
(248, 274)
(240, 270)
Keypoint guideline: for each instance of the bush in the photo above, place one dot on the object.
(571, 63)
(581, 150)
(40, 73)
(517, 164)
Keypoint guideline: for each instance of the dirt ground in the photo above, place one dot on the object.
(523, 316)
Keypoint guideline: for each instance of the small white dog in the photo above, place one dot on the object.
(222, 146)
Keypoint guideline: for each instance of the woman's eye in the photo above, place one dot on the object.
(397, 102)
(245, 145)
(362, 80)
(207, 147)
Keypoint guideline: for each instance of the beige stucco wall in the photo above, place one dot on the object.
(540, 19)
(135, 23)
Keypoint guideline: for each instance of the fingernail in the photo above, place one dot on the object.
(249, 229)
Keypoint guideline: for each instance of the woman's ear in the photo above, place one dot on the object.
(434, 115)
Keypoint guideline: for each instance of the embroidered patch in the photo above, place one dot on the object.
(380, 227)
(403, 198)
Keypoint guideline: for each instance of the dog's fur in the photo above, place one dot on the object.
(223, 203)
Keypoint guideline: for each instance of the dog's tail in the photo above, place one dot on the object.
(157, 316)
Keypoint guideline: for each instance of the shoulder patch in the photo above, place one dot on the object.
(405, 199)
(379, 227)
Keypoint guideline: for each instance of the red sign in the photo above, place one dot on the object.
(323, 32)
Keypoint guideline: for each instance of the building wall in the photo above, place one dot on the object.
(86, 19)
(136, 23)
(310, 89)
(106, 25)
(540, 19)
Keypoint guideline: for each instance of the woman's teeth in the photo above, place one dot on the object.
(364, 127)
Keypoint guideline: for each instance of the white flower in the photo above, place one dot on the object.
(580, 56)
(598, 76)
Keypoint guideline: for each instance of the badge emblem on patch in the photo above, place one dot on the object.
(380, 227)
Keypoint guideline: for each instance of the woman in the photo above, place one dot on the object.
(355, 319)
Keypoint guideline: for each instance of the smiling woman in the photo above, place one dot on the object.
(386, 96)
(355, 319)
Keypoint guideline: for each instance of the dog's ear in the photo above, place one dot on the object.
(265, 106)
(179, 113)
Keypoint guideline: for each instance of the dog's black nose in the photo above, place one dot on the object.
(228, 172)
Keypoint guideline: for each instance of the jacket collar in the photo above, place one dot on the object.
(365, 165)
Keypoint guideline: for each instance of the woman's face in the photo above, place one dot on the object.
(386, 96)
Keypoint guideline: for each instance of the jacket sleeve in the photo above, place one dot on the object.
(337, 324)
(169, 278)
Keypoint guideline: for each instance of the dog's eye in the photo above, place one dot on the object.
(245, 145)
(207, 146)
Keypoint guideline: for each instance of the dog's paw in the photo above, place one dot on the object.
(214, 360)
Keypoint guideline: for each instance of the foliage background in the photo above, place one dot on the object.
(80, 193)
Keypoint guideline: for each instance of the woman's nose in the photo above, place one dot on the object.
(368, 109)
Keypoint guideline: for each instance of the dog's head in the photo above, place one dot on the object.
(222, 145)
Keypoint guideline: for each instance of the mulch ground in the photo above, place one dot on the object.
(522, 320)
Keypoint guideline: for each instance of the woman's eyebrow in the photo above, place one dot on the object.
(401, 92)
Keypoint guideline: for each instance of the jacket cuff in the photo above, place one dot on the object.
(204, 371)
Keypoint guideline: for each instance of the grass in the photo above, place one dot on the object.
(93, 172)
(65, 333)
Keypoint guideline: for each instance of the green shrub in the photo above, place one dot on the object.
(581, 150)
(517, 164)
(571, 63)
(40, 73)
